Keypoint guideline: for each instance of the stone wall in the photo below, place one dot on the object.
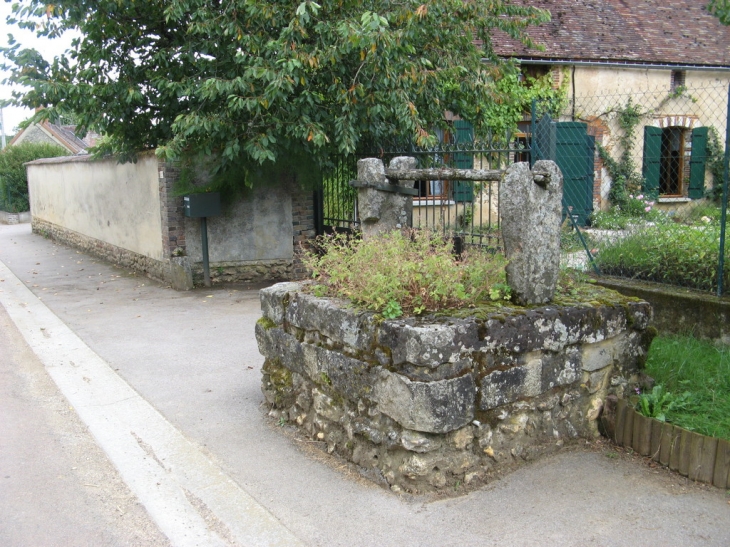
(425, 405)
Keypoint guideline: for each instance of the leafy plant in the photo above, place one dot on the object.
(623, 172)
(248, 84)
(670, 253)
(13, 177)
(658, 403)
(412, 273)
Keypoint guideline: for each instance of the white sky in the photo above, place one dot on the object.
(48, 48)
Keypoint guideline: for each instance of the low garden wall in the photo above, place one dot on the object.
(429, 404)
(678, 310)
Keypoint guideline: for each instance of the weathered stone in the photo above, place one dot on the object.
(274, 299)
(602, 354)
(325, 406)
(379, 409)
(530, 221)
(431, 407)
(415, 441)
(552, 329)
(331, 318)
(560, 369)
(382, 211)
(505, 386)
(276, 344)
(428, 345)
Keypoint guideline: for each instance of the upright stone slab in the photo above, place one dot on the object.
(379, 210)
(531, 205)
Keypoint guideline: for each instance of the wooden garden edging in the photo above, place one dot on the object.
(701, 458)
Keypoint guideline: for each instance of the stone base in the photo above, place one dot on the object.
(179, 271)
(259, 271)
(14, 218)
(430, 405)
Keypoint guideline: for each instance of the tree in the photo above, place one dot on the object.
(14, 179)
(263, 82)
(721, 10)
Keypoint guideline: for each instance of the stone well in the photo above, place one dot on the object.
(430, 404)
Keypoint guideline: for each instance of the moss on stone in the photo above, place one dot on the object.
(266, 323)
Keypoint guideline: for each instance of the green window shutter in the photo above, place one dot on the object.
(652, 159)
(463, 191)
(697, 163)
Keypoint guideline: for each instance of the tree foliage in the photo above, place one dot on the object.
(721, 10)
(13, 177)
(260, 82)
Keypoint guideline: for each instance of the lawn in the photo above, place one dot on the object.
(684, 364)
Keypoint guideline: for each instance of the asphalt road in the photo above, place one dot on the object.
(192, 359)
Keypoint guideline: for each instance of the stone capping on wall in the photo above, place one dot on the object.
(678, 310)
(701, 458)
(423, 403)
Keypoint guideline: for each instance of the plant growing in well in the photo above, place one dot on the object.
(398, 274)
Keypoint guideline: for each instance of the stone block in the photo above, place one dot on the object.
(506, 386)
(428, 345)
(561, 369)
(430, 407)
(277, 345)
(275, 298)
(333, 319)
(350, 377)
(530, 214)
(415, 441)
(602, 354)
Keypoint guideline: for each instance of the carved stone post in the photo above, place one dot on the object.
(530, 211)
(383, 206)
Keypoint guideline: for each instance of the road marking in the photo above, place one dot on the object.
(191, 499)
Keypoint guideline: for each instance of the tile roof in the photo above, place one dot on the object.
(64, 134)
(677, 32)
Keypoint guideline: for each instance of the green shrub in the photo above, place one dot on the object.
(13, 178)
(415, 273)
(668, 253)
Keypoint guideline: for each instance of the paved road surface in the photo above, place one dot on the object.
(189, 364)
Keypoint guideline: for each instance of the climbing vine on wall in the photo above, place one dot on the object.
(625, 178)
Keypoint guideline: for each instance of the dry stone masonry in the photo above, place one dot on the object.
(426, 404)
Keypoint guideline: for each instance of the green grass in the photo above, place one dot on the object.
(669, 253)
(683, 363)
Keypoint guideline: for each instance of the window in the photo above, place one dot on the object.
(674, 161)
(452, 156)
(677, 79)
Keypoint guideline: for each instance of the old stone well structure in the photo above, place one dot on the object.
(426, 404)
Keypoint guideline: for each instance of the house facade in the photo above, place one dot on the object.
(660, 69)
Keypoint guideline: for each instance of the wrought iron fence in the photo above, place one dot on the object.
(645, 182)
(465, 209)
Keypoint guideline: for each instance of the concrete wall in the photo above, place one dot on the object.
(257, 227)
(130, 214)
(115, 203)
